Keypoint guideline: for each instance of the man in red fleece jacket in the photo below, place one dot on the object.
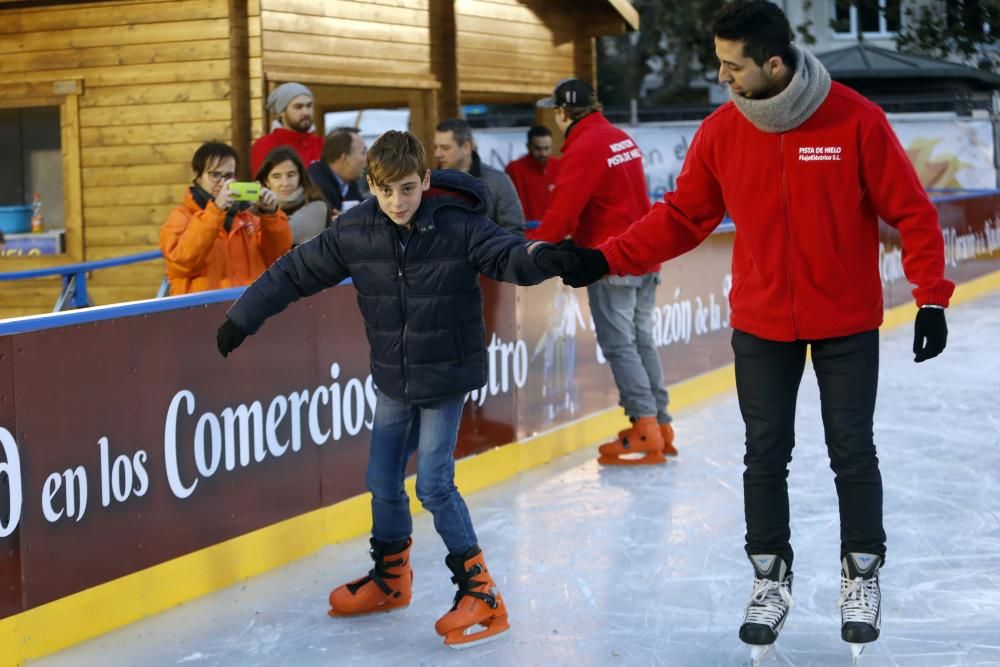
(806, 168)
(534, 175)
(600, 190)
(292, 103)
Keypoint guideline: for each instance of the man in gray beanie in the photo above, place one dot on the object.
(292, 103)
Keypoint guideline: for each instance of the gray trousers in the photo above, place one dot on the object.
(622, 307)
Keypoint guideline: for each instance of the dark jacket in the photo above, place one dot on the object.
(421, 303)
(505, 207)
(323, 177)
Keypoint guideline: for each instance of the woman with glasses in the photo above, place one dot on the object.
(211, 241)
(283, 173)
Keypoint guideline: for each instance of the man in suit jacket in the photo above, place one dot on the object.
(339, 169)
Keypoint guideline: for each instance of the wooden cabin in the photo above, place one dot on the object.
(132, 87)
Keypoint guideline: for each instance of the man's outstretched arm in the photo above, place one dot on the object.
(672, 227)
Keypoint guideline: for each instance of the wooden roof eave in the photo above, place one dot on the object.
(603, 18)
(627, 12)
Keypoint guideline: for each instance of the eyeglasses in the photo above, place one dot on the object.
(216, 176)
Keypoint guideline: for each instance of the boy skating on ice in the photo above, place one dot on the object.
(414, 253)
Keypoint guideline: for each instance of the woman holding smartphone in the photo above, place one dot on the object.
(212, 241)
(284, 174)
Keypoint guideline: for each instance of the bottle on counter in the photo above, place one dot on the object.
(37, 223)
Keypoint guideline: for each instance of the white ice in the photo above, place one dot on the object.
(645, 566)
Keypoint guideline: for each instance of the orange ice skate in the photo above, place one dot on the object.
(667, 431)
(478, 614)
(640, 445)
(387, 586)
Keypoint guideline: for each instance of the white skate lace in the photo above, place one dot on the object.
(859, 600)
(769, 601)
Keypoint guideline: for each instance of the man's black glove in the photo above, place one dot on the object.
(592, 265)
(556, 261)
(229, 337)
(930, 334)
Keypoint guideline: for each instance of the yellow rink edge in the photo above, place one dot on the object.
(92, 612)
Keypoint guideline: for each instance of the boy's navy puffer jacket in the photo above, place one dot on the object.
(422, 306)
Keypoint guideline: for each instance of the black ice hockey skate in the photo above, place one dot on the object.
(860, 601)
(768, 606)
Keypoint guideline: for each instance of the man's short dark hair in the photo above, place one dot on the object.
(538, 131)
(458, 128)
(211, 153)
(760, 25)
(337, 143)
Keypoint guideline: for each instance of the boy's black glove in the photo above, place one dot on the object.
(592, 265)
(229, 337)
(556, 261)
(930, 333)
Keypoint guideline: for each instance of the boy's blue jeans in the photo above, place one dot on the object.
(399, 430)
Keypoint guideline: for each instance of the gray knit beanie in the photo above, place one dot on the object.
(281, 96)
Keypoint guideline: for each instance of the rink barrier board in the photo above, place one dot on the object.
(117, 377)
(512, 315)
(96, 611)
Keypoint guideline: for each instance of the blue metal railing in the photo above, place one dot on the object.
(98, 313)
(74, 277)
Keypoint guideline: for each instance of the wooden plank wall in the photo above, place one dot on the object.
(376, 42)
(159, 78)
(533, 39)
(156, 83)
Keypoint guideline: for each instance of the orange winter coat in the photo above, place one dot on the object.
(200, 255)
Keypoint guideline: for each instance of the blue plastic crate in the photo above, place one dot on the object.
(15, 219)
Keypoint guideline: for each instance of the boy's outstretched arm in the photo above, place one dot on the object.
(505, 257)
(303, 271)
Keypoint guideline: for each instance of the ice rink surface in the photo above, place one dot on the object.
(645, 566)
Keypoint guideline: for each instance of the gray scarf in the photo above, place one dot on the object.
(294, 202)
(792, 106)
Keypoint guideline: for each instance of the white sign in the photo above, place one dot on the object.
(947, 152)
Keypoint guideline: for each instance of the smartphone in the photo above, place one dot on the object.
(244, 190)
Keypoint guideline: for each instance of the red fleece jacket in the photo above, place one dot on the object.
(309, 146)
(534, 182)
(806, 204)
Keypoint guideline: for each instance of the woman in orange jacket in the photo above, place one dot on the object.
(212, 242)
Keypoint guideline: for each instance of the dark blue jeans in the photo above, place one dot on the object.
(767, 383)
(399, 430)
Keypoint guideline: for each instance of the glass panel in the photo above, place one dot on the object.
(32, 139)
(841, 14)
(42, 159)
(11, 176)
(868, 14)
(892, 13)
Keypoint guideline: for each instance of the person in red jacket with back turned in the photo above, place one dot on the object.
(806, 168)
(600, 190)
(534, 175)
(292, 103)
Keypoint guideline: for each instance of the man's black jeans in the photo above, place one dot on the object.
(767, 383)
